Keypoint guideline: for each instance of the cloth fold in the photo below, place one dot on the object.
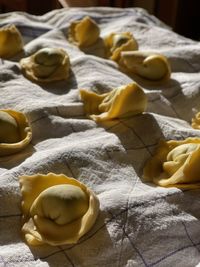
(139, 223)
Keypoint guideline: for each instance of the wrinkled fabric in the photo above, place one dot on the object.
(139, 224)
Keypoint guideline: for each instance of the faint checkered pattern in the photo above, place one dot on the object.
(139, 224)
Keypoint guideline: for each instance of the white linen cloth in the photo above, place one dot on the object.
(139, 224)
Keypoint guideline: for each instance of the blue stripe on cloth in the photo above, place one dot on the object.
(29, 31)
(32, 32)
(172, 253)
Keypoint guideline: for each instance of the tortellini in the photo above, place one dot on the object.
(84, 32)
(15, 132)
(148, 65)
(196, 121)
(121, 102)
(175, 163)
(46, 65)
(57, 210)
(11, 41)
(115, 43)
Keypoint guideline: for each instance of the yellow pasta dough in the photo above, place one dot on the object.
(115, 43)
(196, 121)
(57, 210)
(148, 65)
(121, 102)
(84, 32)
(11, 41)
(15, 132)
(46, 65)
(175, 163)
